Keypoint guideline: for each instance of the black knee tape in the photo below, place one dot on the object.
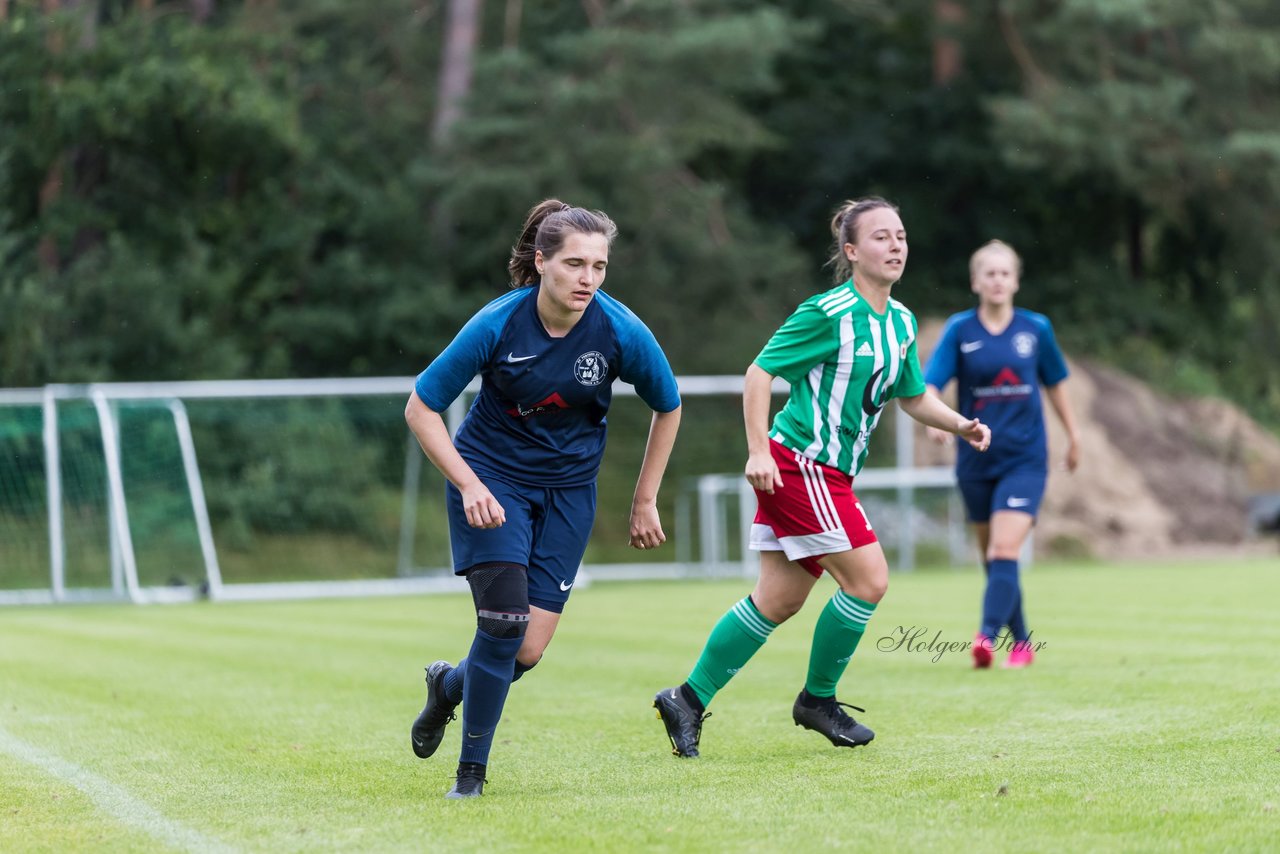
(501, 595)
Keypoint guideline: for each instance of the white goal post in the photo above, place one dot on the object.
(118, 462)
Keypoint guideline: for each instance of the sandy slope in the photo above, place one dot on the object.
(1157, 473)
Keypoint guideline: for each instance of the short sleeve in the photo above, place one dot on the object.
(911, 383)
(471, 349)
(644, 364)
(942, 364)
(807, 338)
(1051, 367)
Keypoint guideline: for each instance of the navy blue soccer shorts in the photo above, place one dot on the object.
(1019, 491)
(546, 530)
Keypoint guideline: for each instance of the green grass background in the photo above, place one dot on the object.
(1150, 722)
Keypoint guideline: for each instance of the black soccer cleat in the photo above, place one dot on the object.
(428, 729)
(824, 715)
(469, 783)
(682, 720)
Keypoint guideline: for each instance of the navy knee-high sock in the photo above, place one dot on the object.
(457, 677)
(1018, 620)
(490, 666)
(1001, 597)
(453, 682)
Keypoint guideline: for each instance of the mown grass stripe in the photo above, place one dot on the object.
(113, 800)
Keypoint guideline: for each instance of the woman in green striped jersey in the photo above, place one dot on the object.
(846, 353)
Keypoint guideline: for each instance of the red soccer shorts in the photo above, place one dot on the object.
(814, 513)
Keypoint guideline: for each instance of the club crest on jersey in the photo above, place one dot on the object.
(1024, 344)
(591, 368)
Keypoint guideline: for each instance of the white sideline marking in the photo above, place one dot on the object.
(110, 798)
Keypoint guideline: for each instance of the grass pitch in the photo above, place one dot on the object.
(1150, 721)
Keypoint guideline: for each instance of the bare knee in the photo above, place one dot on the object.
(531, 650)
(1008, 534)
(870, 584)
(1004, 551)
(863, 573)
(880, 589)
(869, 589)
(777, 609)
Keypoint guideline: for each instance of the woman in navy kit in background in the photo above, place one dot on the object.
(522, 468)
(1000, 356)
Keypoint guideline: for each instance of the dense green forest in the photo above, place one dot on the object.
(281, 188)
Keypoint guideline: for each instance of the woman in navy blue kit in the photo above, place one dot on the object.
(522, 468)
(1000, 357)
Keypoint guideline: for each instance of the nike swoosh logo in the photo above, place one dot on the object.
(512, 357)
(970, 346)
(1019, 502)
(418, 743)
(564, 586)
(477, 734)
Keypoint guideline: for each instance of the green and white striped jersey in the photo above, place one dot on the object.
(844, 363)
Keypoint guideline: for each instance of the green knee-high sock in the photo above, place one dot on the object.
(740, 632)
(835, 638)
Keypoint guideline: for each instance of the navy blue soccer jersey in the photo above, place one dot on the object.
(999, 379)
(539, 418)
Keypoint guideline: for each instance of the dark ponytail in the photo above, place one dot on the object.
(546, 228)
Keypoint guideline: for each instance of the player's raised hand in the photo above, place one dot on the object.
(762, 472)
(975, 433)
